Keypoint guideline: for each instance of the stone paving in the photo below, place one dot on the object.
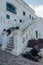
(7, 58)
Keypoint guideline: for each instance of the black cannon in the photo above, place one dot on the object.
(33, 54)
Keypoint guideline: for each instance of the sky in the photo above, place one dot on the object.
(37, 5)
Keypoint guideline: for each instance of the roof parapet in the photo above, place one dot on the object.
(26, 5)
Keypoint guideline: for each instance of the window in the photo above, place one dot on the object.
(11, 8)
(17, 27)
(20, 20)
(4, 29)
(30, 16)
(8, 16)
(36, 34)
(24, 13)
(14, 19)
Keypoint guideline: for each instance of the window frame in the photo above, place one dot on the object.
(30, 16)
(24, 13)
(7, 16)
(11, 8)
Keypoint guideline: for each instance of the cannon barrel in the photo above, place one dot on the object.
(33, 54)
(35, 50)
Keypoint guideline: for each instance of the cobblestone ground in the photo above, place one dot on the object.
(7, 58)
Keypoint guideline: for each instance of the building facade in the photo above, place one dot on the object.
(18, 24)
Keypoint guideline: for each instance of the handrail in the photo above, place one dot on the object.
(22, 27)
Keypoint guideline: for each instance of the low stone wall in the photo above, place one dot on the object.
(33, 42)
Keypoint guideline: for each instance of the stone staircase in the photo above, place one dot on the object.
(10, 45)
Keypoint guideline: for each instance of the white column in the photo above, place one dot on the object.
(4, 40)
(17, 44)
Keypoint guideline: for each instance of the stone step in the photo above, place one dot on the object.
(9, 49)
(11, 41)
(9, 46)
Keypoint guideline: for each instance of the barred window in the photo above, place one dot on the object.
(8, 16)
(30, 16)
(11, 8)
(24, 13)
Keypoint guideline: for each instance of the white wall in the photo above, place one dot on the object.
(20, 9)
(38, 26)
(4, 23)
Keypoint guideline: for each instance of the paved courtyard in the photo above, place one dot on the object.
(7, 58)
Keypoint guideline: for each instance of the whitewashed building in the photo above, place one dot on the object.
(18, 24)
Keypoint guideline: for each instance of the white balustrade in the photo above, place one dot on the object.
(25, 24)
